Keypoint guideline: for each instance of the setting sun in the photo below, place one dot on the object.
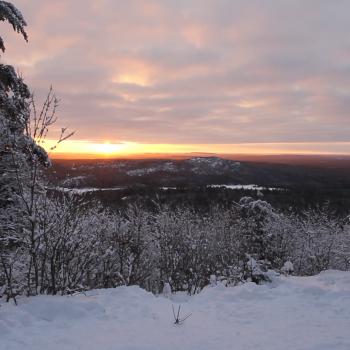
(106, 148)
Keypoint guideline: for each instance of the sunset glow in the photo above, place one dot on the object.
(194, 76)
(133, 79)
(89, 149)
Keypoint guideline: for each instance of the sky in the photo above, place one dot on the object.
(261, 76)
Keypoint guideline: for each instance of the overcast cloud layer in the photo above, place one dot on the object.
(191, 71)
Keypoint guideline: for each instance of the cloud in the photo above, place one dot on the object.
(194, 71)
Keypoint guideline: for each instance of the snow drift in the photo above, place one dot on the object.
(305, 313)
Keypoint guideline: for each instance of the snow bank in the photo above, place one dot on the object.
(304, 313)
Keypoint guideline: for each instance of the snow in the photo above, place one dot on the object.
(291, 313)
(74, 181)
(213, 162)
(205, 165)
(141, 172)
(288, 267)
(166, 167)
(84, 190)
(247, 187)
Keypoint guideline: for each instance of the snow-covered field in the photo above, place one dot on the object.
(87, 189)
(295, 313)
(84, 190)
(247, 187)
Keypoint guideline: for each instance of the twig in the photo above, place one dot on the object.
(177, 319)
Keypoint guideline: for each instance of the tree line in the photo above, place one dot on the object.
(67, 245)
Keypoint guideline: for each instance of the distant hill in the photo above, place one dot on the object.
(270, 171)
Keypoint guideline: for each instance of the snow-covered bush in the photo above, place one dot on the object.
(126, 252)
(78, 246)
(256, 271)
(287, 268)
(320, 238)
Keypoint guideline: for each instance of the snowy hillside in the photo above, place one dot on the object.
(304, 313)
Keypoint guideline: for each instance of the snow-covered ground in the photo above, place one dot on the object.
(84, 190)
(247, 187)
(295, 313)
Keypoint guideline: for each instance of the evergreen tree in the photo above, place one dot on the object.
(10, 13)
(19, 155)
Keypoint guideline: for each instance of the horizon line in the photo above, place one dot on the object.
(81, 149)
(92, 156)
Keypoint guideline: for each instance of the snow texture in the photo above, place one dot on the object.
(84, 190)
(247, 187)
(304, 313)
